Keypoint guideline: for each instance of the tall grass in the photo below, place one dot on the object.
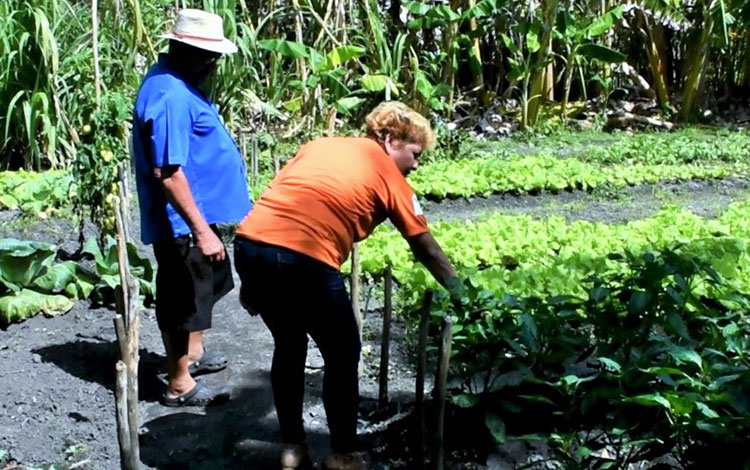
(28, 93)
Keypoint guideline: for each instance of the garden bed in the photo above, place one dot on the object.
(59, 404)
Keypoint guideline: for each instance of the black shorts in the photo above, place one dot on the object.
(188, 285)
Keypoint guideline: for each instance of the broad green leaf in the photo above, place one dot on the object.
(680, 405)
(22, 261)
(651, 399)
(26, 303)
(598, 293)
(57, 277)
(496, 426)
(445, 12)
(537, 398)
(532, 41)
(293, 105)
(603, 24)
(510, 44)
(711, 428)
(664, 371)
(349, 104)
(340, 55)
(706, 410)
(91, 246)
(417, 8)
(8, 202)
(683, 355)
(465, 400)
(375, 83)
(610, 364)
(638, 302)
(601, 53)
(291, 49)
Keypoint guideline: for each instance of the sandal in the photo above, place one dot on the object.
(200, 395)
(350, 461)
(208, 363)
(296, 457)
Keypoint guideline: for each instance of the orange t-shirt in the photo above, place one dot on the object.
(334, 192)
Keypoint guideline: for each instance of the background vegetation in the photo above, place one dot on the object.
(303, 64)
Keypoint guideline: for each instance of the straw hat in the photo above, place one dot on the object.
(201, 29)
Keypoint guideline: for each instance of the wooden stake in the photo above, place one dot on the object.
(127, 326)
(385, 338)
(441, 379)
(421, 367)
(121, 412)
(122, 338)
(254, 157)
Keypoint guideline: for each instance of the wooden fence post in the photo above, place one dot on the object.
(441, 379)
(385, 337)
(127, 326)
(424, 320)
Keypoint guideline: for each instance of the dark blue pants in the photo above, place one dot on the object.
(297, 295)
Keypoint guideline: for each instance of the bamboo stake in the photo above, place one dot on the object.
(386, 338)
(254, 157)
(127, 326)
(121, 415)
(354, 284)
(132, 364)
(421, 367)
(122, 339)
(441, 379)
(124, 206)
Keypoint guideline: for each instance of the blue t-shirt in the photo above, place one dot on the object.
(174, 124)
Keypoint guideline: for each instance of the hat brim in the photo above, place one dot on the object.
(225, 46)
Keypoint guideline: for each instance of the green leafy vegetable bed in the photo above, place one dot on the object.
(688, 145)
(33, 192)
(486, 176)
(31, 282)
(524, 256)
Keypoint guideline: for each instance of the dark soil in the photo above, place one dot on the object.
(704, 198)
(57, 374)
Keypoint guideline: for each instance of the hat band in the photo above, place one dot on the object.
(188, 36)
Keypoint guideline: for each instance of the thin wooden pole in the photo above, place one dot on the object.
(254, 157)
(385, 337)
(127, 327)
(421, 367)
(121, 413)
(441, 379)
(354, 284)
(95, 47)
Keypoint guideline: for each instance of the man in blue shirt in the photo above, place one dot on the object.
(190, 176)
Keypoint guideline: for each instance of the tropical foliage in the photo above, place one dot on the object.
(304, 64)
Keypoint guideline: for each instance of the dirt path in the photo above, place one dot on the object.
(58, 384)
(57, 378)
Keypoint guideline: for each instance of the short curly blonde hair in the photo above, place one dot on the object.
(401, 123)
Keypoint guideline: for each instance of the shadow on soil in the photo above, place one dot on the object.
(94, 361)
(237, 434)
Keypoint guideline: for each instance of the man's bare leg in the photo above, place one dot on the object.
(195, 346)
(176, 346)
